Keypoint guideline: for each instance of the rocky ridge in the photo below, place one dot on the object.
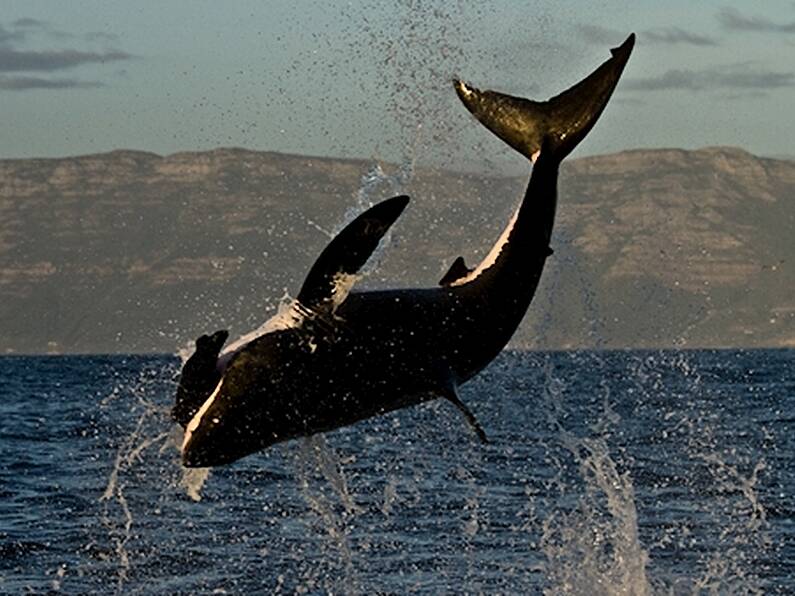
(133, 252)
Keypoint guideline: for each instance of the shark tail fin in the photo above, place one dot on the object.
(566, 118)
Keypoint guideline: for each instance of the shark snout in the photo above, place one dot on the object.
(222, 431)
(212, 443)
(206, 441)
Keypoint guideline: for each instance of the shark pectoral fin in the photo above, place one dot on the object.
(457, 270)
(451, 395)
(198, 377)
(333, 273)
(213, 343)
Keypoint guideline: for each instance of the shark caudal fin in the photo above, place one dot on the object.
(565, 118)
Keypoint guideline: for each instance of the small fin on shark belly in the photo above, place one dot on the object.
(458, 270)
(334, 272)
(450, 393)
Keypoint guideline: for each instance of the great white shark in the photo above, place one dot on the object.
(339, 356)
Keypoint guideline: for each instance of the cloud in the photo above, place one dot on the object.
(734, 76)
(16, 58)
(598, 35)
(746, 95)
(628, 101)
(20, 30)
(12, 60)
(22, 83)
(7, 36)
(28, 23)
(733, 19)
(674, 35)
(100, 36)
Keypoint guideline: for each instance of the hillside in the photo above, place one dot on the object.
(131, 251)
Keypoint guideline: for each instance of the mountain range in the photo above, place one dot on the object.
(134, 252)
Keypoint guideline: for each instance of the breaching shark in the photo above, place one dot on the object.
(340, 356)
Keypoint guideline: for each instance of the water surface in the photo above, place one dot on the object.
(608, 472)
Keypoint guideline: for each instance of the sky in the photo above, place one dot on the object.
(372, 79)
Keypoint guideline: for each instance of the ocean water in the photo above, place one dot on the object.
(636, 472)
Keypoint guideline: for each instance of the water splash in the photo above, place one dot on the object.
(288, 315)
(591, 544)
(732, 568)
(116, 515)
(590, 534)
(315, 457)
(153, 434)
(316, 451)
(191, 480)
(375, 182)
(594, 547)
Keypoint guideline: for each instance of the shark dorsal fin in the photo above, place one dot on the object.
(334, 272)
(457, 270)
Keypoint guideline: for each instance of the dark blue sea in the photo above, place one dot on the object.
(608, 473)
